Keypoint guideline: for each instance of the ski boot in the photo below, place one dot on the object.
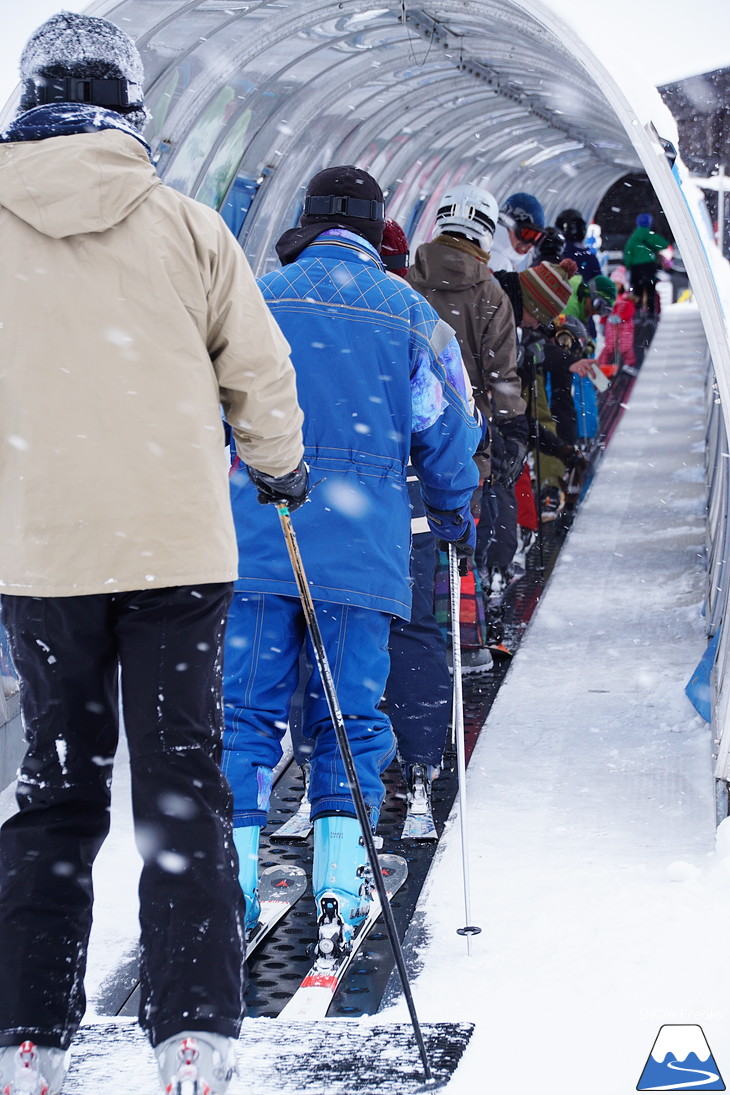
(419, 823)
(526, 537)
(341, 881)
(246, 839)
(196, 1063)
(552, 503)
(29, 1069)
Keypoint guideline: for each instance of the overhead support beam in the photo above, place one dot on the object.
(432, 30)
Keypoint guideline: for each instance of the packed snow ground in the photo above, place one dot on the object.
(596, 881)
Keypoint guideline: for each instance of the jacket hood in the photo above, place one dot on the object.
(70, 185)
(443, 263)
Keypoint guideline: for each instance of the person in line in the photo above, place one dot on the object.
(618, 347)
(640, 258)
(129, 316)
(452, 272)
(588, 300)
(536, 296)
(380, 379)
(519, 232)
(418, 692)
(573, 227)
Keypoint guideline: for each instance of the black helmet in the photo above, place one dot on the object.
(551, 247)
(572, 225)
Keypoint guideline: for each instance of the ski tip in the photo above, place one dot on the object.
(499, 650)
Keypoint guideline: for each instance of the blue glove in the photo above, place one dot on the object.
(454, 527)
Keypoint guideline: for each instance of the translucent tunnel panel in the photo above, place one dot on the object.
(250, 98)
(138, 17)
(275, 90)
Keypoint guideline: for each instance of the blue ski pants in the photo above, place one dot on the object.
(265, 636)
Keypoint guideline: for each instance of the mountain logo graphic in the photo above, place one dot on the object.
(680, 1060)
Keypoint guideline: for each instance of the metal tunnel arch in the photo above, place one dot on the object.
(271, 91)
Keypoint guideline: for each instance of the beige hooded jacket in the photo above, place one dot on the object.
(128, 315)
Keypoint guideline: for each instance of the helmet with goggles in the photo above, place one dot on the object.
(603, 294)
(469, 211)
(522, 214)
(571, 335)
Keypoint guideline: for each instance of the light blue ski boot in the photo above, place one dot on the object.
(341, 881)
(246, 839)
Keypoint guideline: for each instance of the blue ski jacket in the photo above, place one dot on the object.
(379, 378)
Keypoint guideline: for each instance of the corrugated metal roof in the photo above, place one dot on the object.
(276, 89)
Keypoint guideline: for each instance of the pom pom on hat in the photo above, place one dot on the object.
(546, 289)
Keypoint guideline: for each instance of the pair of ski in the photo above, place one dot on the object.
(280, 887)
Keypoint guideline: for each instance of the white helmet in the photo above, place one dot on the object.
(470, 210)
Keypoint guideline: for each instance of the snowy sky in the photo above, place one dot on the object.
(666, 39)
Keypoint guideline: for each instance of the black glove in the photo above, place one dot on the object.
(515, 433)
(572, 457)
(291, 489)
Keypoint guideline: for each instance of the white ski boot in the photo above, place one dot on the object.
(196, 1063)
(246, 839)
(342, 883)
(29, 1069)
(419, 823)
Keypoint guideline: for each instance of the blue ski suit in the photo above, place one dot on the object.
(379, 378)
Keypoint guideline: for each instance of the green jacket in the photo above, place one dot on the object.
(576, 305)
(643, 245)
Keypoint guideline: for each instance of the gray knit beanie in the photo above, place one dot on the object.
(81, 47)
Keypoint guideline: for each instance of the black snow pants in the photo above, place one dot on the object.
(69, 652)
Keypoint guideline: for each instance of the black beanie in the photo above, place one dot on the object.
(338, 197)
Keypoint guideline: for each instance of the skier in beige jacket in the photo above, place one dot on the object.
(128, 317)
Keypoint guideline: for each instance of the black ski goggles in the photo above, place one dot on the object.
(395, 262)
(567, 341)
(601, 306)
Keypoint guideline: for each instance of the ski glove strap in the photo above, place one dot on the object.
(290, 489)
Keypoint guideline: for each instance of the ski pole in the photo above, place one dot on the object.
(457, 719)
(536, 426)
(353, 782)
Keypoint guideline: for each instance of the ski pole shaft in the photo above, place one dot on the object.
(457, 715)
(538, 477)
(338, 723)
